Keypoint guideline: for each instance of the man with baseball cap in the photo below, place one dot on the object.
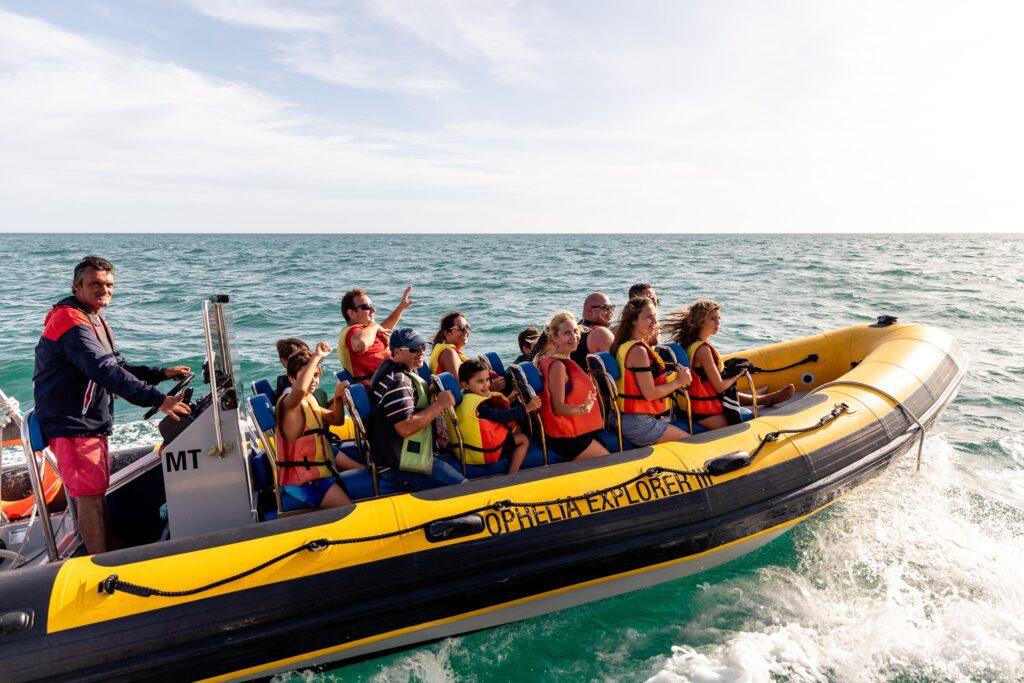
(402, 423)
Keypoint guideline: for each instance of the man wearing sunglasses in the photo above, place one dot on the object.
(597, 335)
(363, 343)
(402, 421)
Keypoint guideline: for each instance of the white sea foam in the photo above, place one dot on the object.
(426, 665)
(915, 575)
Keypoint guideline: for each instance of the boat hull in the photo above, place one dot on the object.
(585, 531)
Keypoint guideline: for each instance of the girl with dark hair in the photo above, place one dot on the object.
(644, 385)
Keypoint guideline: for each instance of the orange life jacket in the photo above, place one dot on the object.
(304, 459)
(631, 399)
(703, 396)
(579, 385)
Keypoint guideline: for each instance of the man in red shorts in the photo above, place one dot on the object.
(78, 371)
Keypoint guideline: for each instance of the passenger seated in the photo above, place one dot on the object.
(305, 456)
(449, 340)
(569, 409)
(285, 348)
(527, 338)
(645, 289)
(362, 343)
(644, 385)
(487, 421)
(691, 328)
(596, 334)
(402, 421)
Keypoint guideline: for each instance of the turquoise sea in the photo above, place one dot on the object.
(915, 577)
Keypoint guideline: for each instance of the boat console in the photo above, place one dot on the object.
(206, 477)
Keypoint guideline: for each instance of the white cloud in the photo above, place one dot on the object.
(736, 117)
(504, 35)
(314, 17)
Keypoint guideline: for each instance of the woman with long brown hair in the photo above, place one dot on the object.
(691, 328)
(644, 385)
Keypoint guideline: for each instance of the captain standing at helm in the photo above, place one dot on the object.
(78, 371)
(362, 343)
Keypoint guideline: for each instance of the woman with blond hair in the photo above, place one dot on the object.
(569, 407)
(691, 328)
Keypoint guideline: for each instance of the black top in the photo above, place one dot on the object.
(581, 352)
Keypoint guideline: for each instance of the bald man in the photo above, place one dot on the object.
(597, 335)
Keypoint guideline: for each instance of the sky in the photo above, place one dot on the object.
(511, 116)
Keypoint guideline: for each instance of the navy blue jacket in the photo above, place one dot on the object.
(76, 377)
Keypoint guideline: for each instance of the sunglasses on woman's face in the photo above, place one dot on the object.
(364, 307)
(462, 328)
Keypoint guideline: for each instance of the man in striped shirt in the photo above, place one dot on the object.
(402, 422)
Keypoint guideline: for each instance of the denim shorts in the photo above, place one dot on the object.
(442, 474)
(642, 430)
(312, 492)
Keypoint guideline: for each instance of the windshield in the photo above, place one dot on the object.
(221, 338)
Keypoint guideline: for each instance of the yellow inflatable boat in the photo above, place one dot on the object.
(389, 572)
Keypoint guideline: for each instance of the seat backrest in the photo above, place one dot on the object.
(263, 386)
(494, 361)
(424, 372)
(611, 366)
(262, 412)
(601, 367)
(30, 424)
(449, 383)
(532, 375)
(674, 353)
(361, 401)
(344, 375)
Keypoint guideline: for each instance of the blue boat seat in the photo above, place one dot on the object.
(35, 433)
(493, 361)
(358, 484)
(424, 372)
(673, 353)
(263, 386)
(604, 370)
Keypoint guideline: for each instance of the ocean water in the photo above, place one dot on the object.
(912, 578)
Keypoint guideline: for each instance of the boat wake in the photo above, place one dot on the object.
(913, 578)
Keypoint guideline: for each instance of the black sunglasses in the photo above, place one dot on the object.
(463, 328)
(364, 307)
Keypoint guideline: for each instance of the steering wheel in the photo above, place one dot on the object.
(182, 383)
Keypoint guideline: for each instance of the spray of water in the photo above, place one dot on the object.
(912, 578)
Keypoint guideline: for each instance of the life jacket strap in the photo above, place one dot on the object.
(306, 462)
(468, 447)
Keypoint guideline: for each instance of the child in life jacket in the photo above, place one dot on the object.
(485, 418)
(285, 348)
(306, 461)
